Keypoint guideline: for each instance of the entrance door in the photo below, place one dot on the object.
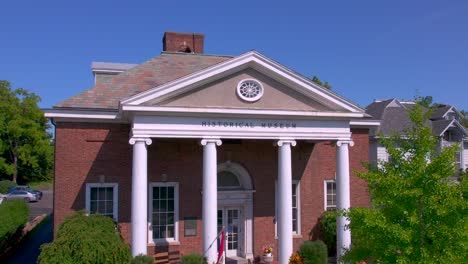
(230, 218)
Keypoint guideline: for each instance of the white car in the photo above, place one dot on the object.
(25, 195)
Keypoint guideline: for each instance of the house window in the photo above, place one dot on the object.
(102, 198)
(296, 207)
(228, 180)
(164, 216)
(330, 195)
(458, 160)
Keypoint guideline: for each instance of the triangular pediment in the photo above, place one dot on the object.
(222, 93)
(216, 87)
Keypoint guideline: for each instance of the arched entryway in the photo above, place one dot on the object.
(235, 209)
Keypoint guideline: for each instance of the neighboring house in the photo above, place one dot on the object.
(186, 143)
(444, 122)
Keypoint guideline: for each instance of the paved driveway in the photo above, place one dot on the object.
(44, 206)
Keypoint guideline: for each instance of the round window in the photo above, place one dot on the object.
(250, 90)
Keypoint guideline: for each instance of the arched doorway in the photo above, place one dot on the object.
(235, 209)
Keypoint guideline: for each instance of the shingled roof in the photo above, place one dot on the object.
(157, 71)
(394, 116)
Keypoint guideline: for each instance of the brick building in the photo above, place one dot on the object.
(185, 144)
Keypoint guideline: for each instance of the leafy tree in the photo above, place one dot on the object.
(25, 145)
(419, 215)
(426, 101)
(316, 80)
(464, 120)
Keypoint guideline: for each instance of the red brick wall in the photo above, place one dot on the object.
(178, 42)
(85, 151)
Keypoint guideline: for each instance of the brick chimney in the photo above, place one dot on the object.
(183, 42)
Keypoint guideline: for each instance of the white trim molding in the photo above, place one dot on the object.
(81, 114)
(197, 111)
(239, 128)
(115, 198)
(175, 239)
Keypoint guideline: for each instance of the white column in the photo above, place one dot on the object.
(285, 230)
(210, 199)
(139, 196)
(343, 236)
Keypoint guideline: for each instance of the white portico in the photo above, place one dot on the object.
(152, 119)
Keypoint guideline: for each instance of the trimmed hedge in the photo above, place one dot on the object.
(193, 258)
(143, 259)
(314, 252)
(6, 185)
(86, 239)
(13, 217)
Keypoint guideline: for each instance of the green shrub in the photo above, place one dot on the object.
(314, 252)
(13, 217)
(328, 225)
(143, 259)
(193, 258)
(6, 185)
(86, 239)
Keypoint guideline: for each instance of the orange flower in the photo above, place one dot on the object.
(295, 259)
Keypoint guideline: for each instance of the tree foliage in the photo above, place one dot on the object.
(464, 120)
(419, 215)
(426, 101)
(25, 145)
(316, 80)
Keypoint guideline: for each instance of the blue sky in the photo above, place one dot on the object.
(365, 49)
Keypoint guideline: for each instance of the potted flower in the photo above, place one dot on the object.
(267, 251)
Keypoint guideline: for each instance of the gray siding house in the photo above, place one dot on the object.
(444, 121)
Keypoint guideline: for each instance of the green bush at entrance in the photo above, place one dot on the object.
(328, 225)
(86, 239)
(193, 259)
(143, 259)
(314, 252)
(13, 217)
(6, 185)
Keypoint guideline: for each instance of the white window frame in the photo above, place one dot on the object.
(176, 212)
(325, 205)
(298, 203)
(115, 197)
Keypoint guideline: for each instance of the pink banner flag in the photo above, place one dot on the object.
(221, 248)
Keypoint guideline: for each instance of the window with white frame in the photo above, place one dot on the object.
(102, 198)
(330, 195)
(296, 207)
(164, 207)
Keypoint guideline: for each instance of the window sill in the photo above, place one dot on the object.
(295, 236)
(164, 243)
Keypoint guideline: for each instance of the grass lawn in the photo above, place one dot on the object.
(41, 185)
